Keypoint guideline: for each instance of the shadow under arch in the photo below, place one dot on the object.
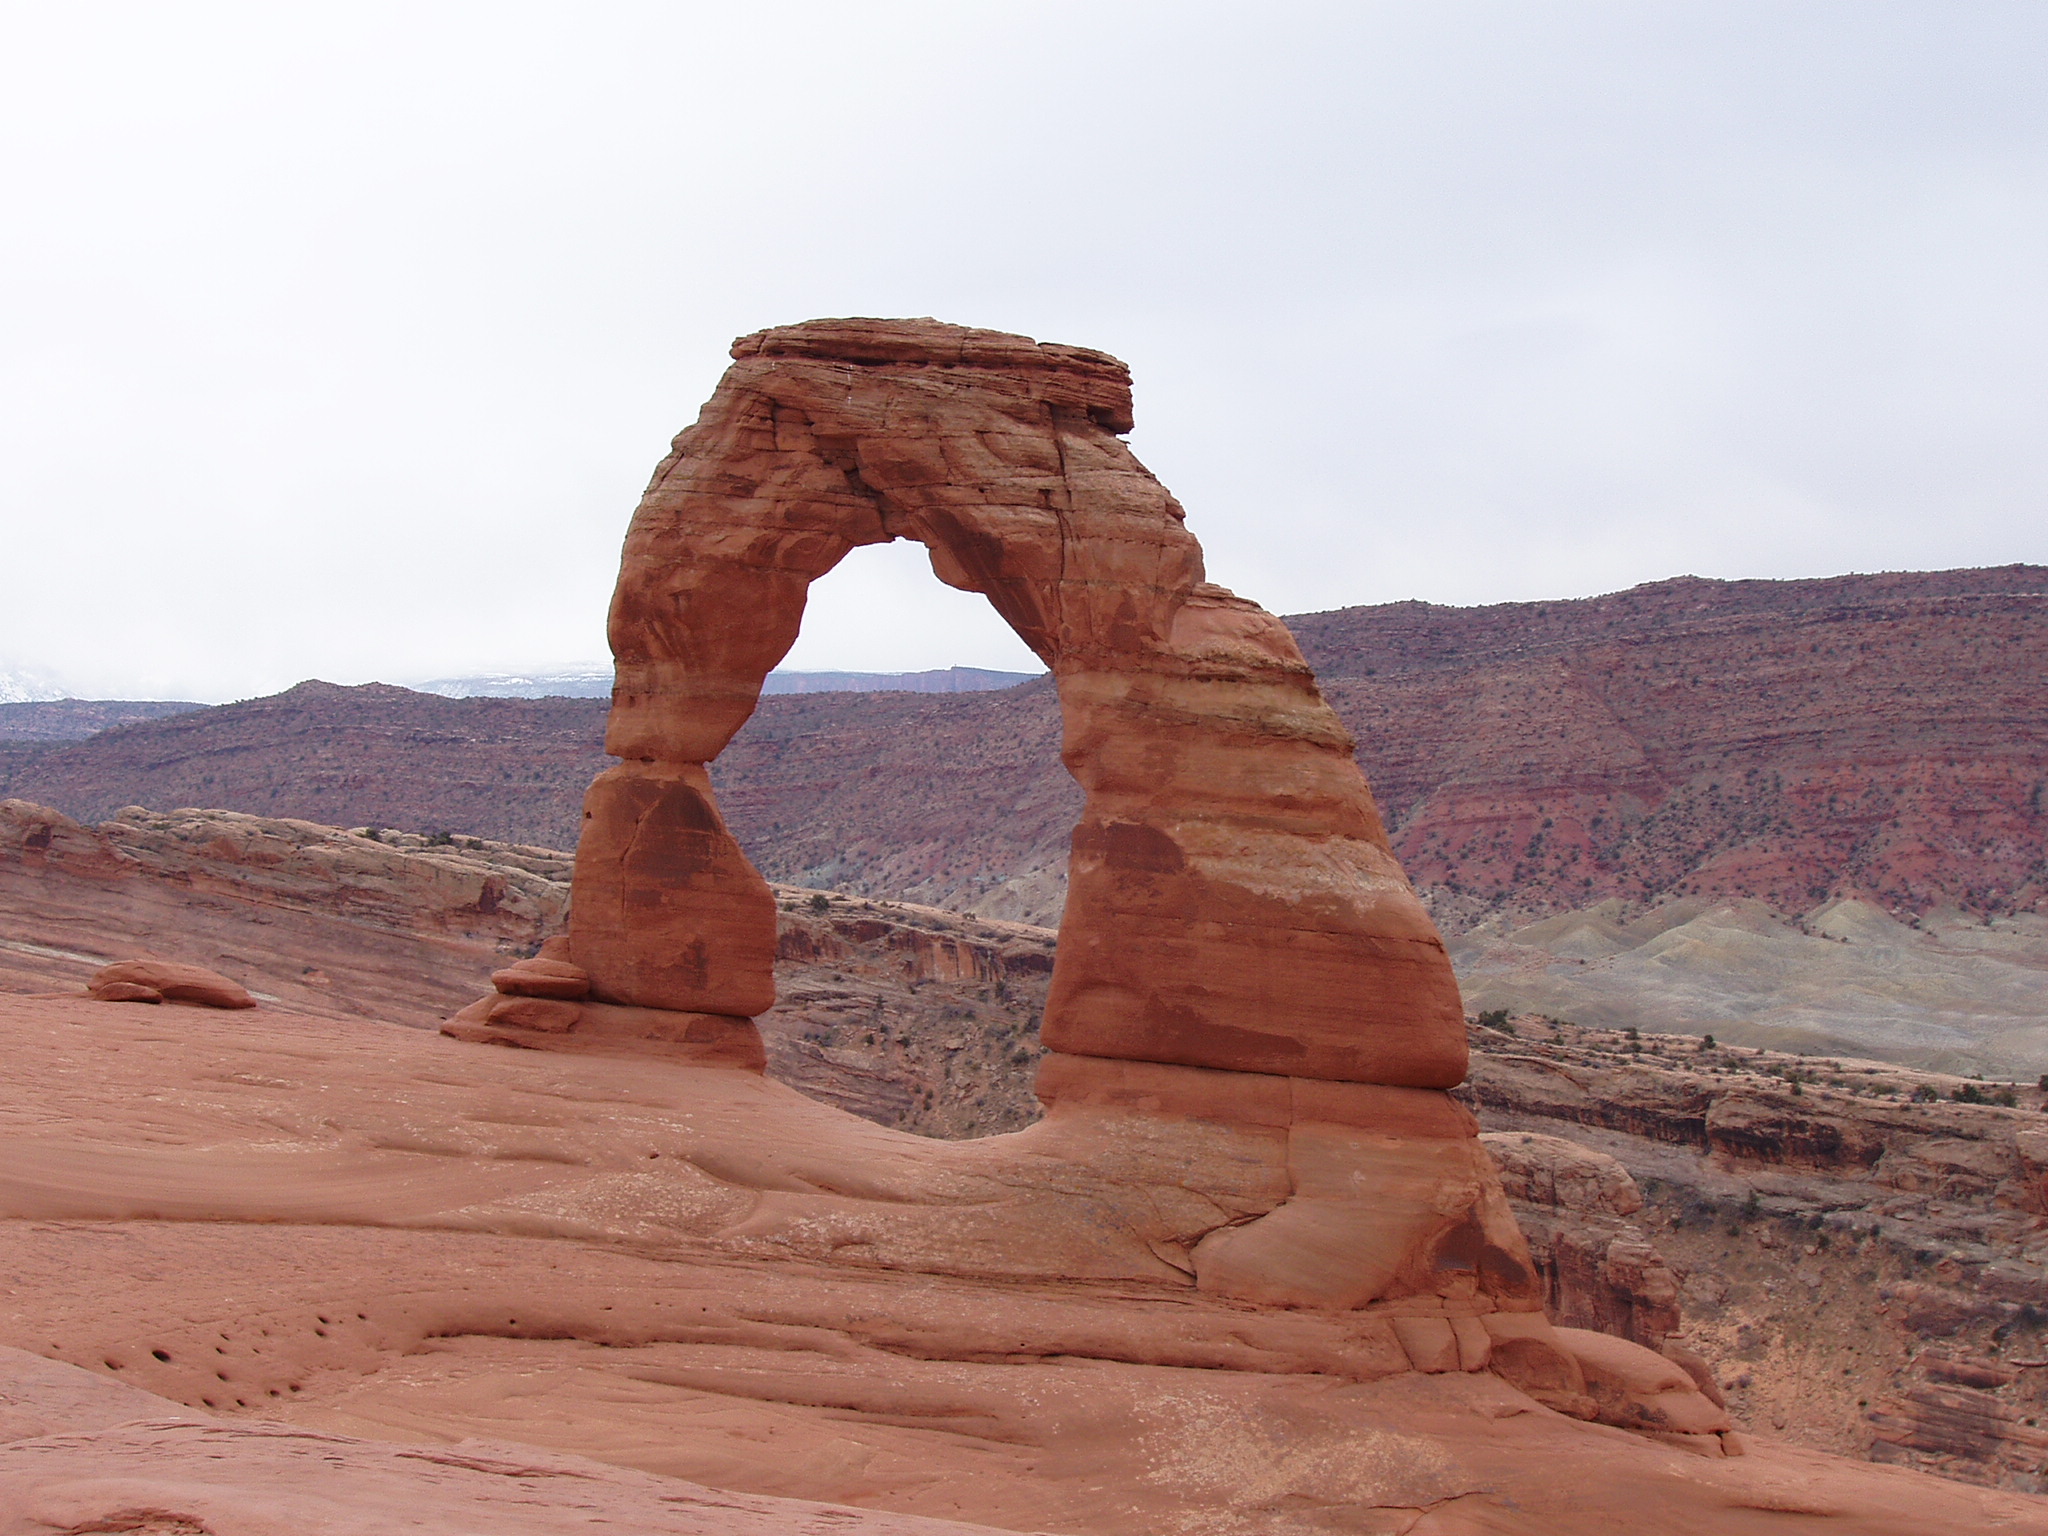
(1232, 904)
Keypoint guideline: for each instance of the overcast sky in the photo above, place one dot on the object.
(338, 340)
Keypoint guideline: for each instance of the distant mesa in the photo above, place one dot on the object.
(595, 682)
(63, 719)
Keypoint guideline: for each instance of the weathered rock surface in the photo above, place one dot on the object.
(926, 1020)
(180, 1472)
(330, 921)
(909, 1016)
(389, 1272)
(1599, 1270)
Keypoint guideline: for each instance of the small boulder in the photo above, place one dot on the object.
(1637, 1388)
(169, 982)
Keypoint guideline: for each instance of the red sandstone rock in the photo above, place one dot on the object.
(1598, 1272)
(543, 978)
(1252, 1022)
(1637, 1388)
(171, 982)
(126, 992)
(1233, 901)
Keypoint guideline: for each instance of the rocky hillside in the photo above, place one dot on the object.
(1856, 1253)
(1860, 1251)
(1883, 738)
(510, 770)
(1945, 990)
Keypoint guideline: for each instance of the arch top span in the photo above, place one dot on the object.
(1233, 902)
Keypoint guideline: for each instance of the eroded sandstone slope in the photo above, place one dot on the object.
(344, 1231)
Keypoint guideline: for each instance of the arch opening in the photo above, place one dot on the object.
(882, 610)
(924, 1020)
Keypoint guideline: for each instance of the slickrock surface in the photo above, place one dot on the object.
(323, 1233)
(926, 1020)
(180, 1472)
(325, 919)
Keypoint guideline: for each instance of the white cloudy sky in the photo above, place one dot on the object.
(338, 339)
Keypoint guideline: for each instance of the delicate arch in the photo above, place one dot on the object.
(1233, 902)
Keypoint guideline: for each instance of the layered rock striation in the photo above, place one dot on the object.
(1252, 1023)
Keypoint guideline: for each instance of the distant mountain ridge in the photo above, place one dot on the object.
(1877, 738)
(76, 719)
(595, 682)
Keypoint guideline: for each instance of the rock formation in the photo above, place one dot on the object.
(150, 980)
(1233, 904)
(1252, 1023)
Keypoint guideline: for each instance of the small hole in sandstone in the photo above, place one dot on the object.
(275, 1393)
(220, 1375)
(362, 1317)
(209, 1402)
(161, 1356)
(321, 1331)
(293, 1387)
(112, 1365)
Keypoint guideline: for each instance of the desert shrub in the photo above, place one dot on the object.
(821, 902)
(1924, 1094)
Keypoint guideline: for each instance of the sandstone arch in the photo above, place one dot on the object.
(1252, 1023)
(1233, 902)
